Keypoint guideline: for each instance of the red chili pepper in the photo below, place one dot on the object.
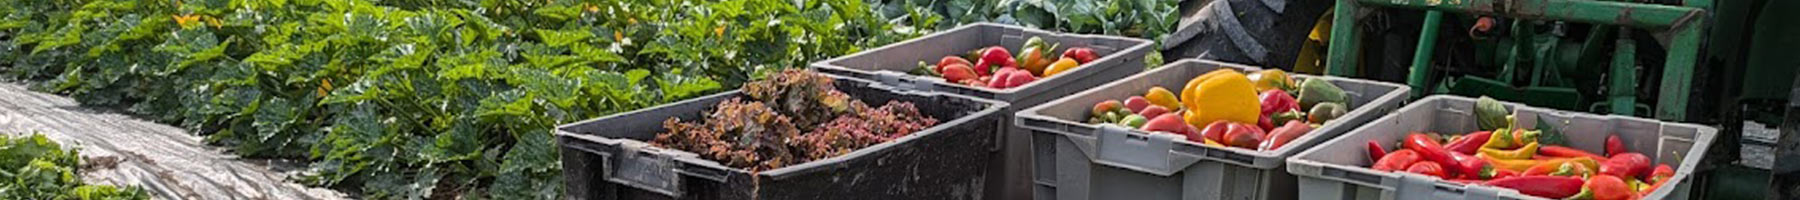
(1606, 187)
(1615, 145)
(1471, 167)
(1566, 152)
(1398, 160)
(1428, 168)
(1375, 151)
(1555, 187)
(1466, 181)
(1503, 173)
(1469, 143)
(1626, 165)
(1430, 150)
(1661, 173)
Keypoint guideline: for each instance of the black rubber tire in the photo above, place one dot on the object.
(1279, 34)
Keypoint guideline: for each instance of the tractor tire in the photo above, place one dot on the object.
(1266, 33)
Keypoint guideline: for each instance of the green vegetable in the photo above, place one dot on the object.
(1325, 112)
(1315, 91)
(33, 167)
(1490, 114)
(1134, 121)
(1282, 118)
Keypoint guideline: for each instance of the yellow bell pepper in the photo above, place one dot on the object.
(1223, 94)
(1524, 152)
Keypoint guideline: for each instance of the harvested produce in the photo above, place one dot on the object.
(1061, 65)
(1316, 91)
(1542, 186)
(1162, 97)
(1490, 114)
(1470, 143)
(792, 117)
(1225, 108)
(1173, 124)
(1524, 160)
(1376, 152)
(1272, 79)
(1080, 54)
(1282, 135)
(1428, 168)
(1397, 160)
(1326, 112)
(993, 59)
(1222, 94)
(1277, 101)
(1035, 56)
(1153, 111)
(996, 67)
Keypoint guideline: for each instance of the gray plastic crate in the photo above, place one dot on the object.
(1120, 57)
(1076, 160)
(610, 158)
(1338, 168)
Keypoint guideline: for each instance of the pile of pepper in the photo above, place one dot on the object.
(1530, 161)
(997, 68)
(1228, 108)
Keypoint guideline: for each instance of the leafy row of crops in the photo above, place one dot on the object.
(33, 167)
(440, 99)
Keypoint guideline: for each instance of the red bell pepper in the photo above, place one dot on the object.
(1615, 145)
(1398, 160)
(1428, 168)
(993, 59)
(1555, 187)
(1626, 165)
(1430, 150)
(1375, 151)
(1566, 152)
(1277, 101)
(1469, 143)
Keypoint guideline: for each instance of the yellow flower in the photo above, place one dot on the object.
(324, 85)
(719, 32)
(618, 36)
(187, 20)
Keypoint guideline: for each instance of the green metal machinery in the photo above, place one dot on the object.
(1723, 63)
(1545, 59)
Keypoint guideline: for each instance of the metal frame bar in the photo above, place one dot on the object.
(1686, 21)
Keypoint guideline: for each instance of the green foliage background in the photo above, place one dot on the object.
(392, 99)
(33, 167)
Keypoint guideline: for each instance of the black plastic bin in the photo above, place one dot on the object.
(610, 158)
(1120, 57)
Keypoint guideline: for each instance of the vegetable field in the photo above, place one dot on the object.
(456, 99)
(33, 167)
